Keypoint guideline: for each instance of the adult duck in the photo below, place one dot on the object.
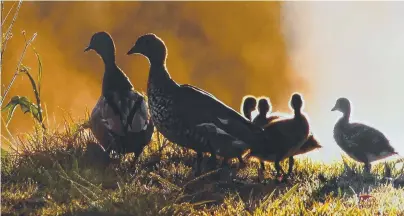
(285, 137)
(189, 116)
(361, 142)
(262, 119)
(120, 120)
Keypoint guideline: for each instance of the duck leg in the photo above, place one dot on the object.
(290, 169)
(241, 162)
(291, 164)
(138, 152)
(261, 170)
(263, 165)
(212, 160)
(368, 166)
(225, 174)
(199, 158)
(279, 170)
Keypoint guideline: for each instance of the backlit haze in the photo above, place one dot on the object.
(322, 49)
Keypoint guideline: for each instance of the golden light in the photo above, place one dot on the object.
(322, 49)
(354, 50)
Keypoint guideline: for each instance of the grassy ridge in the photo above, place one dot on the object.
(54, 174)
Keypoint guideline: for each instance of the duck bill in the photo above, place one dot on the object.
(87, 49)
(132, 51)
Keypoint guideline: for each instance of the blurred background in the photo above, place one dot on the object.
(322, 49)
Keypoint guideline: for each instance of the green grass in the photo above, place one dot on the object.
(53, 175)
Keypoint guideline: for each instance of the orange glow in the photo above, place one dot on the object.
(230, 49)
(227, 48)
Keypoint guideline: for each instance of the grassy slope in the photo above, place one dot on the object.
(54, 176)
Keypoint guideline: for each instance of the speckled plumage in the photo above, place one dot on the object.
(120, 119)
(361, 142)
(189, 116)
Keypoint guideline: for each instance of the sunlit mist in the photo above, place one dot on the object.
(323, 50)
(350, 49)
(227, 48)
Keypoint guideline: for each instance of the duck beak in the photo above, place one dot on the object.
(132, 51)
(88, 48)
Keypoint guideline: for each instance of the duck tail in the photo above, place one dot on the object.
(396, 153)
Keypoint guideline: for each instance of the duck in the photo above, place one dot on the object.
(263, 108)
(361, 142)
(285, 137)
(120, 120)
(249, 104)
(190, 116)
(262, 120)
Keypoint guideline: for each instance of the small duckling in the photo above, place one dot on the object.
(248, 106)
(361, 142)
(263, 109)
(285, 137)
(311, 143)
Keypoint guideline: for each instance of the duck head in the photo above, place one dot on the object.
(263, 106)
(249, 104)
(150, 46)
(343, 105)
(296, 102)
(102, 43)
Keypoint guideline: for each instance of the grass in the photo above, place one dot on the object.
(53, 173)
(59, 172)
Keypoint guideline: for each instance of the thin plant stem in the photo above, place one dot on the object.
(11, 27)
(18, 68)
(3, 20)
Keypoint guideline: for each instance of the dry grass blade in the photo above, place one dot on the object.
(3, 20)
(18, 68)
(164, 181)
(8, 32)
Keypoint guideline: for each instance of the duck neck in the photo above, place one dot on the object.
(108, 57)
(158, 59)
(114, 78)
(247, 114)
(298, 113)
(346, 115)
(158, 70)
(262, 114)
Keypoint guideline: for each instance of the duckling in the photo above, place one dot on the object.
(361, 142)
(248, 106)
(286, 136)
(120, 120)
(263, 109)
(213, 129)
(311, 143)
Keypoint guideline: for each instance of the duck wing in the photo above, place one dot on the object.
(280, 128)
(208, 107)
(100, 126)
(274, 118)
(227, 145)
(125, 112)
(366, 139)
(197, 106)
